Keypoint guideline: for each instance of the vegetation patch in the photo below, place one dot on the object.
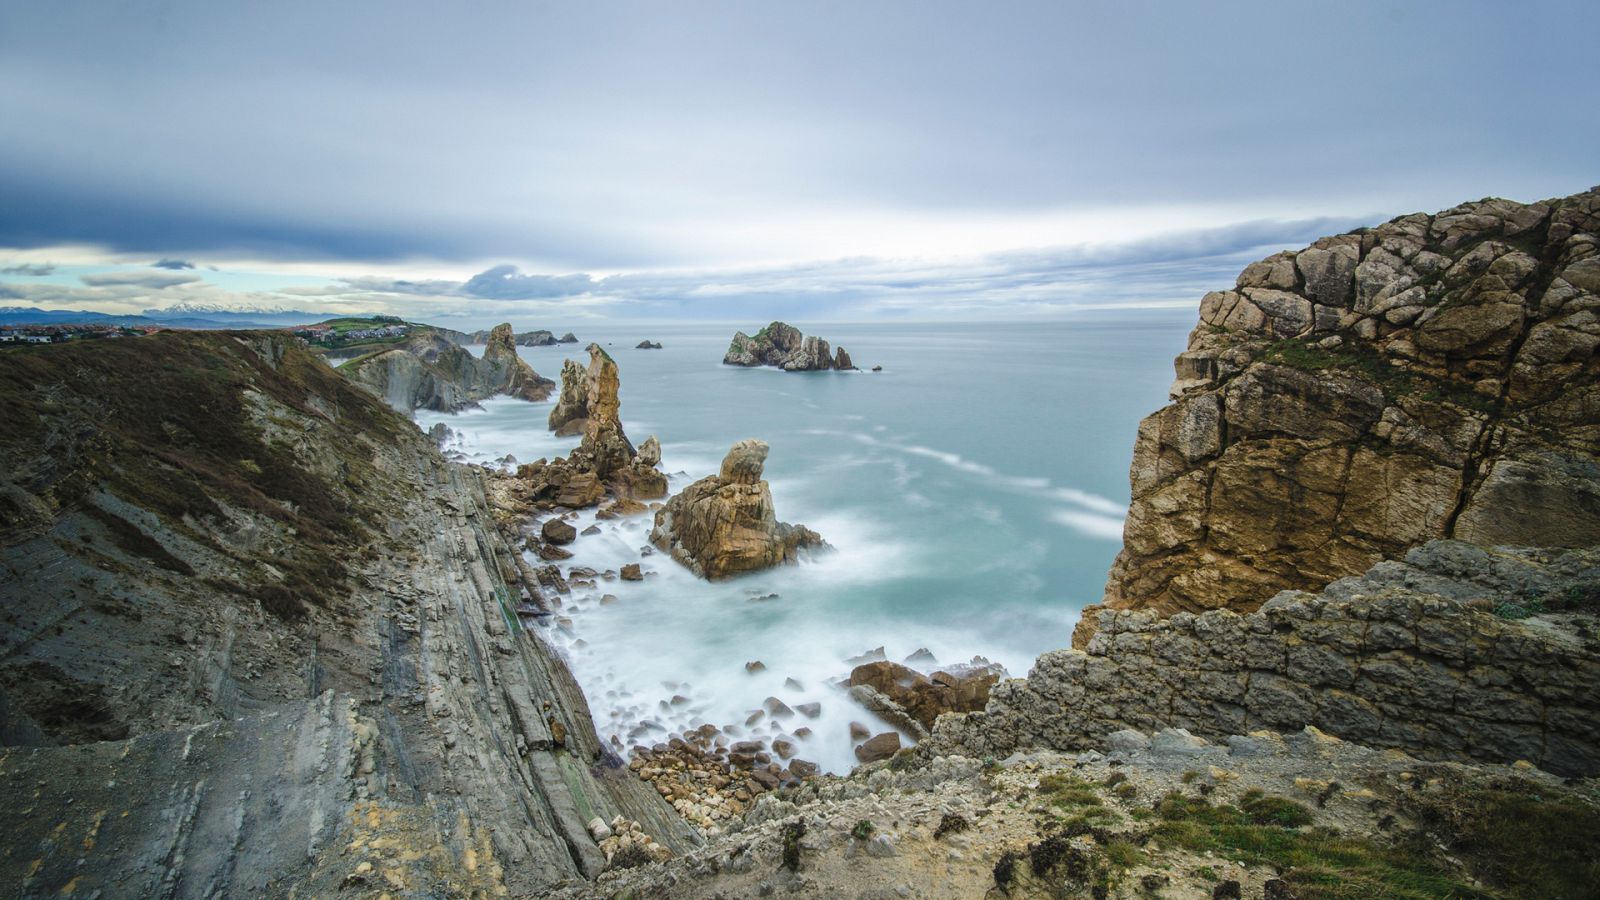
(1518, 836)
(1318, 863)
(132, 540)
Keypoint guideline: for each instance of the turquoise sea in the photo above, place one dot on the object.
(974, 490)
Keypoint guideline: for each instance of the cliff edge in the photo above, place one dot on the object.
(1434, 377)
(260, 638)
(429, 370)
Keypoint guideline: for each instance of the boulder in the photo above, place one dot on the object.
(924, 698)
(880, 746)
(724, 525)
(557, 531)
(632, 572)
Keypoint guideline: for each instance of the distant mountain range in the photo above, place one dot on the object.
(179, 316)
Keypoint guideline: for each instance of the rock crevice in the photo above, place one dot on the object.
(1433, 377)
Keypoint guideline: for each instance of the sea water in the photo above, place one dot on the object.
(973, 490)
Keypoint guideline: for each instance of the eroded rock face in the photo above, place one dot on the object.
(571, 413)
(725, 525)
(782, 345)
(430, 371)
(1442, 655)
(1433, 377)
(605, 461)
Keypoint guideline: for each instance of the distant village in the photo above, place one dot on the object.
(340, 332)
(55, 334)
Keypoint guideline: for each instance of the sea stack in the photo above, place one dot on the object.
(605, 460)
(783, 346)
(724, 525)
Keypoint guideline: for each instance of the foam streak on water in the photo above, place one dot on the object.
(972, 490)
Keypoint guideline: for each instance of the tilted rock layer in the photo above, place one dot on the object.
(724, 525)
(430, 371)
(1435, 376)
(783, 346)
(1411, 655)
(261, 639)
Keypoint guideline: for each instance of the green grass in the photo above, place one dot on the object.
(1531, 841)
(1317, 862)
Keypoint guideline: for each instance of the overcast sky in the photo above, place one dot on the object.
(549, 161)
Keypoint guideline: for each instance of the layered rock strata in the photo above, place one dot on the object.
(261, 639)
(1458, 652)
(606, 462)
(1435, 376)
(429, 371)
(783, 346)
(724, 525)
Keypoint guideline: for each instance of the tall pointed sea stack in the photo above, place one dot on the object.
(605, 459)
(725, 525)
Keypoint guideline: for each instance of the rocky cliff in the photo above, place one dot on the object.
(724, 525)
(1457, 652)
(605, 461)
(1433, 377)
(521, 338)
(783, 346)
(261, 639)
(430, 371)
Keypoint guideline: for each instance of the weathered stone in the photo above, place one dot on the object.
(880, 746)
(557, 531)
(783, 346)
(724, 525)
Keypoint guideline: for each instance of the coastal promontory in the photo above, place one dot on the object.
(428, 370)
(724, 525)
(783, 346)
(1433, 377)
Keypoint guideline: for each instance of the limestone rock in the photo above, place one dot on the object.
(1436, 376)
(1456, 652)
(571, 413)
(557, 531)
(924, 698)
(724, 525)
(783, 346)
(430, 371)
(648, 345)
(605, 460)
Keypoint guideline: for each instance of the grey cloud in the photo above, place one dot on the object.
(28, 269)
(151, 280)
(507, 283)
(424, 288)
(10, 292)
(174, 264)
